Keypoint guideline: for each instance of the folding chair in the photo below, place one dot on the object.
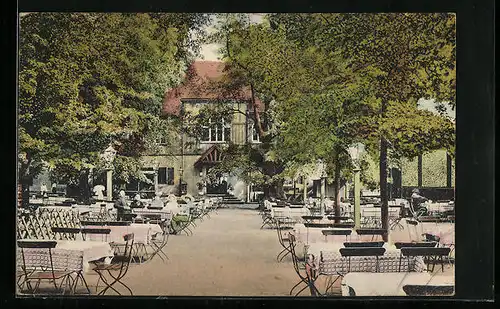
(399, 245)
(284, 240)
(180, 223)
(433, 254)
(65, 233)
(362, 251)
(429, 290)
(372, 232)
(158, 244)
(364, 244)
(115, 271)
(37, 265)
(300, 267)
(346, 233)
(104, 232)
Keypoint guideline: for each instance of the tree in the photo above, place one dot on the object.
(91, 79)
(405, 57)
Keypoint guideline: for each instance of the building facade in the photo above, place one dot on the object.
(182, 165)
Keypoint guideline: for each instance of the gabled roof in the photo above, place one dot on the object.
(212, 155)
(200, 82)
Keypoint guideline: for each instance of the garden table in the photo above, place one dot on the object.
(142, 233)
(72, 255)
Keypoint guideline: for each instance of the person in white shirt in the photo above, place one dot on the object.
(98, 192)
(43, 189)
(157, 202)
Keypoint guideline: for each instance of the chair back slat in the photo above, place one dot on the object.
(424, 251)
(426, 244)
(362, 251)
(36, 244)
(371, 231)
(364, 244)
(429, 290)
(336, 232)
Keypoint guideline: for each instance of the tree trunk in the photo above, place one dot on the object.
(83, 184)
(337, 187)
(384, 208)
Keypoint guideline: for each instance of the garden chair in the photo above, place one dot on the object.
(373, 232)
(303, 269)
(429, 290)
(115, 271)
(433, 254)
(364, 244)
(327, 233)
(426, 244)
(282, 228)
(66, 233)
(103, 232)
(158, 243)
(362, 251)
(37, 265)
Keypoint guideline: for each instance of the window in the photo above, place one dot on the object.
(255, 133)
(161, 141)
(216, 131)
(166, 175)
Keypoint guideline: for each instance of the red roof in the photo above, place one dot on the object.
(201, 82)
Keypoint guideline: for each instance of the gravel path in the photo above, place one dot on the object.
(228, 255)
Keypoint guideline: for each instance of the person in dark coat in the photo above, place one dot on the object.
(121, 206)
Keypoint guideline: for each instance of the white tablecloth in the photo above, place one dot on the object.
(439, 207)
(288, 212)
(68, 255)
(142, 233)
(446, 231)
(166, 214)
(389, 284)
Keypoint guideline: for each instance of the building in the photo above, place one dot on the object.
(188, 159)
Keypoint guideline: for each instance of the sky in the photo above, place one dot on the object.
(209, 52)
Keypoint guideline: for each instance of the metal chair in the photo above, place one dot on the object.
(362, 251)
(284, 241)
(158, 244)
(433, 254)
(372, 232)
(346, 233)
(38, 265)
(115, 271)
(66, 233)
(429, 290)
(365, 244)
(426, 244)
(104, 232)
(302, 270)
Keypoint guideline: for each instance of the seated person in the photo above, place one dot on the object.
(418, 200)
(137, 203)
(122, 207)
(157, 203)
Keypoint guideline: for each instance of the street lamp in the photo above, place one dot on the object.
(109, 156)
(354, 152)
(323, 187)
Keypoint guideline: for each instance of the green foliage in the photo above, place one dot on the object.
(90, 79)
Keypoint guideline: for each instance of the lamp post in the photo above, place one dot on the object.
(354, 153)
(181, 171)
(323, 187)
(109, 156)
